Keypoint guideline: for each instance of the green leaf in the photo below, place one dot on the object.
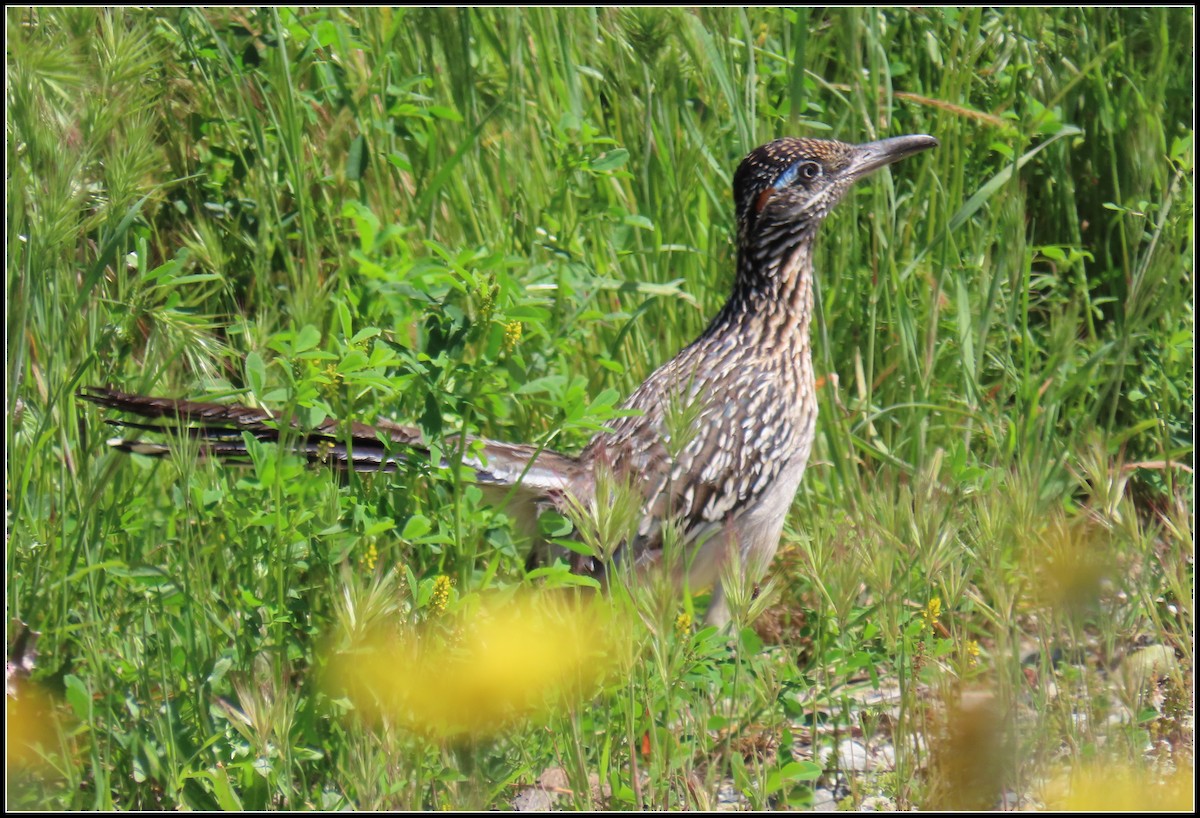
(78, 697)
(308, 337)
(553, 525)
(442, 112)
(256, 373)
(610, 161)
(379, 526)
(789, 773)
(364, 334)
(227, 798)
(356, 160)
(547, 383)
(418, 525)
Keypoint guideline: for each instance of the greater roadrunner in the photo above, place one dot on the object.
(749, 379)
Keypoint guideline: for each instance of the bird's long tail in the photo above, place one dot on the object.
(219, 428)
(382, 446)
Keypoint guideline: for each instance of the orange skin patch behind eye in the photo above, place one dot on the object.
(763, 198)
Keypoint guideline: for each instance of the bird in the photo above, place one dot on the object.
(745, 388)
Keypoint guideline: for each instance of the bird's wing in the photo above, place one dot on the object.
(729, 456)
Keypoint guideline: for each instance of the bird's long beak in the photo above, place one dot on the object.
(871, 156)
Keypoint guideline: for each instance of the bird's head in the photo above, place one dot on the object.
(796, 182)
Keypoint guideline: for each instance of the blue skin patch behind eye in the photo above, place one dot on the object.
(787, 177)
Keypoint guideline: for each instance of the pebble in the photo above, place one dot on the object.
(730, 799)
(877, 803)
(533, 799)
(1141, 670)
(853, 757)
(824, 800)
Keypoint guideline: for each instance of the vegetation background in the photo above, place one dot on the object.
(501, 220)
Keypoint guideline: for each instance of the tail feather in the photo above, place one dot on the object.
(219, 429)
(382, 446)
(525, 480)
(220, 444)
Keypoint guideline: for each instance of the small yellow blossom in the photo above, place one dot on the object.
(932, 612)
(972, 652)
(512, 335)
(441, 593)
(324, 449)
(683, 624)
(370, 558)
(335, 377)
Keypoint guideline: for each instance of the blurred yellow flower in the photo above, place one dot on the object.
(29, 725)
(1121, 789)
(1068, 561)
(370, 558)
(509, 661)
(972, 652)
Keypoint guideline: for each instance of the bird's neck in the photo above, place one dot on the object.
(772, 301)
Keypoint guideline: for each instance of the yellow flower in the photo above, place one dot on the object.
(333, 376)
(29, 724)
(972, 652)
(1121, 789)
(683, 624)
(441, 593)
(512, 335)
(509, 661)
(324, 449)
(369, 559)
(932, 612)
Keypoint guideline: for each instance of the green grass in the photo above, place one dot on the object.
(354, 213)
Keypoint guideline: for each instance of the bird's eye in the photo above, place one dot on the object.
(806, 170)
